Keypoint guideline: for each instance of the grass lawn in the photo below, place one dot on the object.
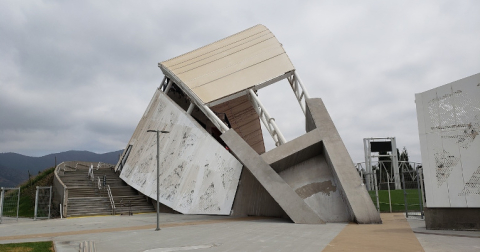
(27, 247)
(398, 202)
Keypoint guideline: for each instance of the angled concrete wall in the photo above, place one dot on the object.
(282, 193)
(252, 199)
(197, 174)
(343, 170)
(301, 164)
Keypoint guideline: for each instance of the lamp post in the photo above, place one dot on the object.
(158, 174)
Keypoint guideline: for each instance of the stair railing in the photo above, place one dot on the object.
(91, 176)
(69, 168)
(104, 165)
(99, 183)
(60, 187)
(110, 196)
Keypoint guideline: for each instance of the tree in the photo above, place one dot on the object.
(404, 157)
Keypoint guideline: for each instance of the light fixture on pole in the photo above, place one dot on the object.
(158, 174)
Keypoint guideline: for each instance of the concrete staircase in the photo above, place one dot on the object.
(84, 197)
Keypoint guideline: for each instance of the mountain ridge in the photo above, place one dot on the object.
(14, 167)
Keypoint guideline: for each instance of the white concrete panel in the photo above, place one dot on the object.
(197, 174)
(449, 128)
(442, 163)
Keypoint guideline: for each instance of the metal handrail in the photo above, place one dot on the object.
(91, 176)
(381, 166)
(65, 189)
(110, 196)
(267, 120)
(65, 166)
(299, 90)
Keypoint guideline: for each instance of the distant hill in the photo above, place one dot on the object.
(14, 167)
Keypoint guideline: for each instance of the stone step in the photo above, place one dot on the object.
(84, 198)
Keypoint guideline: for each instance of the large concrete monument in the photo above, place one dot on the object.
(449, 128)
(213, 161)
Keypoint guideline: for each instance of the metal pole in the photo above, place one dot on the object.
(169, 85)
(36, 204)
(404, 193)
(1, 204)
(50, 202)
(419, 194)
(158, 182)
(376, 189)
(270, 122)
(301, 85)
(162, 83)
(190, 108)
(368, 167)
(158, 174)
(421, 185)
(395, 163)
(389, 196)
(18, 202)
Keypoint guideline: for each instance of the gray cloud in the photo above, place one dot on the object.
(79, 75)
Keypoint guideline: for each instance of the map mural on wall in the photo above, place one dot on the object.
(449, 128)
(456, 117)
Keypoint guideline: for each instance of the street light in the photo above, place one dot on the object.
(158, 174)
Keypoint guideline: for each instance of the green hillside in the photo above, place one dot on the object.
(27, 195)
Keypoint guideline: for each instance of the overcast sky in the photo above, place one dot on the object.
(78, 75)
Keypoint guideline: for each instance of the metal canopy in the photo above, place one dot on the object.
(229, 67)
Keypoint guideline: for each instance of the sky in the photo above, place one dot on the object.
(78, 75)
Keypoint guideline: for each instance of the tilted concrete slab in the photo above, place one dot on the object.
(197, 174)
(359, 202)
(293, 205)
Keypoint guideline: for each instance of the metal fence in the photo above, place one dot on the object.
(9, 202)
(412, 184)
(43, 202)
(408, 199)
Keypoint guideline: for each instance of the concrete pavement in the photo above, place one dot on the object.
(221, 233)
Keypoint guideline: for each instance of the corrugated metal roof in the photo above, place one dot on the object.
(249, 58)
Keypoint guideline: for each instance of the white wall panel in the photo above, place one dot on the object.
(197, 174)
(449, 128)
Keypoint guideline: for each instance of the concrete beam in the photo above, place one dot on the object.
(343, 169)
(281, 192)
(293, 152)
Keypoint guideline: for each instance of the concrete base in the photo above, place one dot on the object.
(253, 200)
(452, 218)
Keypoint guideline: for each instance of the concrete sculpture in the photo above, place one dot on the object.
(214, 160)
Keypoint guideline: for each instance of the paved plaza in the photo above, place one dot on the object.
(220, 233)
